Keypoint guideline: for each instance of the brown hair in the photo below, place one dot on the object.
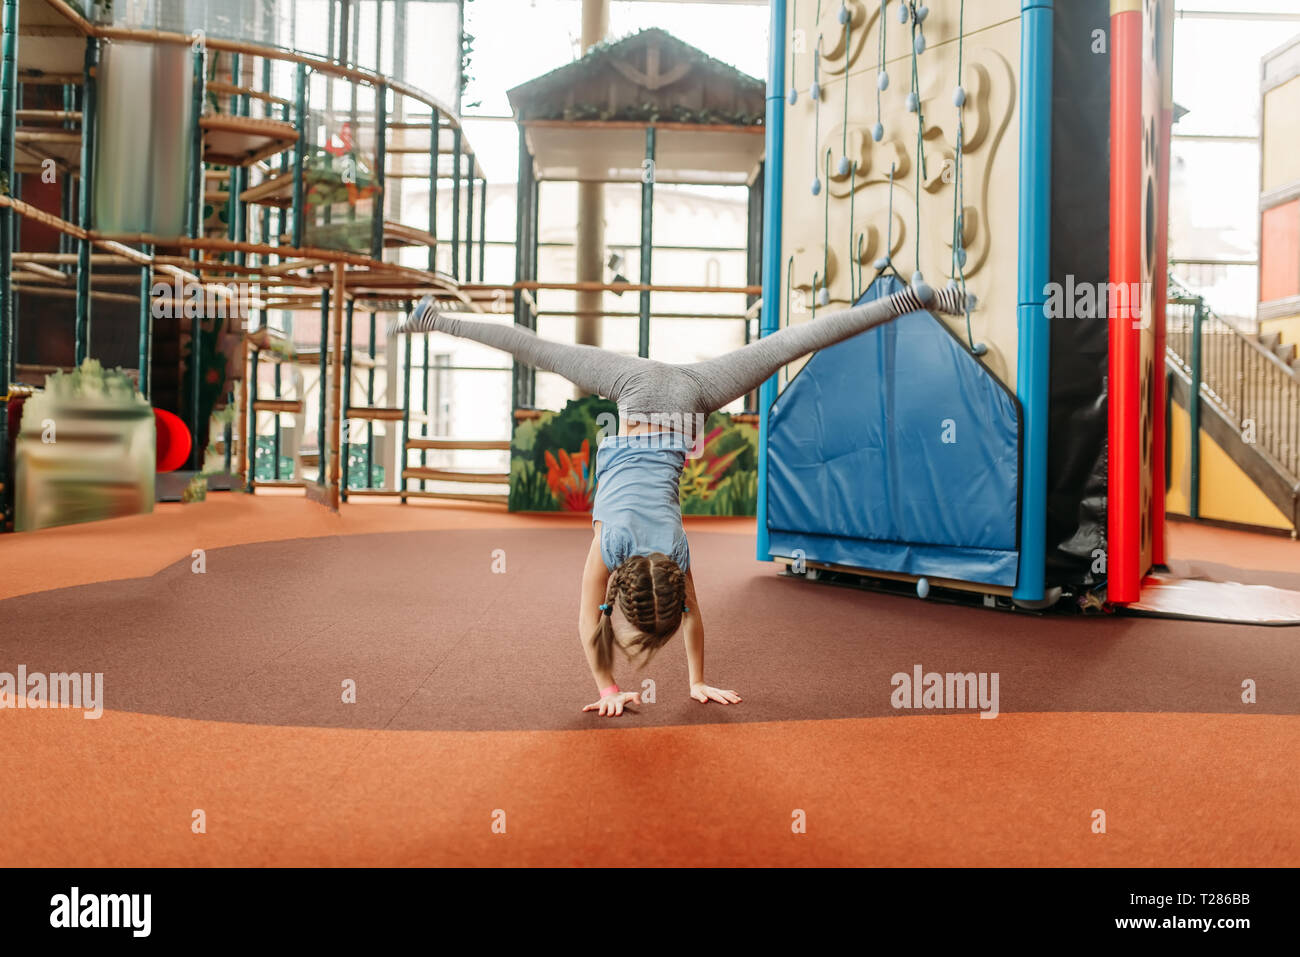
(650, 590)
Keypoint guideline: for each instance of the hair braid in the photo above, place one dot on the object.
(650, 591)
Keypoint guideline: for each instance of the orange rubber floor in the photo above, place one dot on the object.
(467, 746)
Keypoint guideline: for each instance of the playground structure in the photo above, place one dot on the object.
(188, 196)
(907, 138)
(894, 139)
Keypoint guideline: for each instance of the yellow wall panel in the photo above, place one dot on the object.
(1280, 134)
(1227, 493)
(1289, 326)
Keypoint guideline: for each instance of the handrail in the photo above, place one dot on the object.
(1253, 389)
(1187, 297)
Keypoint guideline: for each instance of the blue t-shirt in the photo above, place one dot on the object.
(637, 497)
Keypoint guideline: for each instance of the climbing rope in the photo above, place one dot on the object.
(857, 259)
(884, 263)
(882, 77)
(789, 288)
(843, 169)
(917, 17)
(959, 188)
(825, 297)
(816, 93)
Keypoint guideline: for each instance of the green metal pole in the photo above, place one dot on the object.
(9, 100)
(65, 192)
(469, 223)
(1194, 410)
(455, 203)
(324, 350)
(406, 410)
(194, 217)
(8, 315)
(299, 152)
(228, 436)
(533, 220)
(434, 128)
(146, 325)
(275, 435)
(647, 217)
(279, 213)
(81, 334)
(234, 206)
(534, 197)
(520, 305)
(381, 152)
(344, 441)
(482, 228)
(424, 404)
(196, 206)
(370, 401)
(250, 442)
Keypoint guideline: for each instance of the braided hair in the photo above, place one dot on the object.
(650, 590)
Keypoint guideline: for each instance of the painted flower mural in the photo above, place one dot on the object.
(570, 478)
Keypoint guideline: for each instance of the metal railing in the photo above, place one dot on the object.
(1245, 380)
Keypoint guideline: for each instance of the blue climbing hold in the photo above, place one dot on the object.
(919, 44)
(923, 290)
(959, 97)
(902, 12)
(923, 588)
(971, 302)
(793, 98)
(878, 132)
(881, 263)
(913, 103)
(824, 297)
(843, 167)
(816, 187)
(844, 13)
(961, 256)
(882, 81)
(922, 13)
(980, 349)
(815, 91)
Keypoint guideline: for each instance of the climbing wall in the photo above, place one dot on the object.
(858, 157)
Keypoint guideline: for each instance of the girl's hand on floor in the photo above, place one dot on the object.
(612, 705)
(704, 694)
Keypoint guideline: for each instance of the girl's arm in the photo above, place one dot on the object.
(693, 638)
(595, 583)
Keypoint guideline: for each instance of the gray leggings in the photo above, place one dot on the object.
(646, 387)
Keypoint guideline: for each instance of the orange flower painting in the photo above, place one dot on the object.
(570, 478)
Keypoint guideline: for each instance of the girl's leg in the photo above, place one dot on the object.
(589, 368)
(726, 378)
